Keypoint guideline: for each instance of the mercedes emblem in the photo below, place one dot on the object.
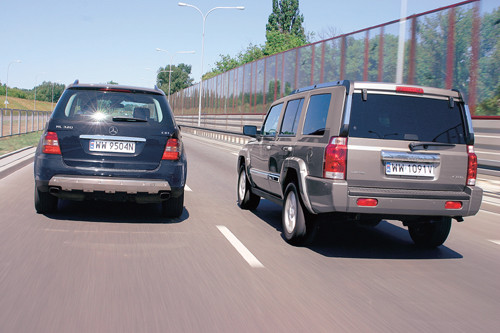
(113, 130)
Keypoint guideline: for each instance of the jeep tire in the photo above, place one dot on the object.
(246, 199)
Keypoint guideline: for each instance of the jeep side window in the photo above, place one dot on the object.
(271, 124)
(317, 111)
(291, 117)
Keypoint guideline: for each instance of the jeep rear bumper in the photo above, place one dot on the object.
(336, 196)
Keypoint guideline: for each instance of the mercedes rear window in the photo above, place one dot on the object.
(101, 105)
(392, 117)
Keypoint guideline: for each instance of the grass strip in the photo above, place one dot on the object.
(12, 143)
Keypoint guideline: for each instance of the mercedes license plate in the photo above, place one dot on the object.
(112, 146)
(409, 169)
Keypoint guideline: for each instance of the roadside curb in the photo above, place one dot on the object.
(14, 152)
(16, 160)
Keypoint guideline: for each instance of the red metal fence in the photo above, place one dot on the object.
(444, 49)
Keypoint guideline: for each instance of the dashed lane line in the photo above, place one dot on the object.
(495, 241)
(242, 250)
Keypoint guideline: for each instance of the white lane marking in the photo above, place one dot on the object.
(242, 250)
(487, 211)
(485, 152)
(187, 188)
(236, 154)
(485, 136)
(490, 202)
(495, 241)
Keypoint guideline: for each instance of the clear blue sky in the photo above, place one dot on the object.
(101, 40)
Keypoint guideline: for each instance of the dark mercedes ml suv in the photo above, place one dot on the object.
(111, 142)
(361, 151)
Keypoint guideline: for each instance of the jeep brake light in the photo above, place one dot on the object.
(51, 144)
(172, 150)
(411, 90)
(471, 166)
(335, 158)
(115, 90)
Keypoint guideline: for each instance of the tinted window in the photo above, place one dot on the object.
(406, 118)
(317, 111)
(271, 124)
(90, 105)
(291, 117)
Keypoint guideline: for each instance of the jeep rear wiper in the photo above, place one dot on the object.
(129, 119)
(424, 145)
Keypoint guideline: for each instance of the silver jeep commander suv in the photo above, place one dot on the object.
(361, 151)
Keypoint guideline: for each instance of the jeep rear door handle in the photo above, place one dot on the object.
(289, 149)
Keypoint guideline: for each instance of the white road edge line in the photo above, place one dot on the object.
(242, 250)
(495, 241)
(187, 188)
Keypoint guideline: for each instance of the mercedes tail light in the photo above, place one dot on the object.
(471, 166)
(335, 158)
(51, 144)
(172, 150)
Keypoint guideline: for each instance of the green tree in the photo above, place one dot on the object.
(226, 62)
(284, 28)
(47, 90)
(179, 78)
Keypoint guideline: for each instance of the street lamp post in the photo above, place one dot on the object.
(36, 80)
(170, 66)
(204, 17)
(7, 82)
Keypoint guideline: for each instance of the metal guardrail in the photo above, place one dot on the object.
(487, 145)
(14, 122)
(230, 128)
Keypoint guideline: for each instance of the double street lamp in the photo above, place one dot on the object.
(204, 17)
(7, 82)
(170, 65)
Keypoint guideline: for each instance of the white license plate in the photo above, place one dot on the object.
(409, 169)
(112, 146)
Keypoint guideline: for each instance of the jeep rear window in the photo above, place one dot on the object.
(317, 111)
(95, 105)
(392, 117)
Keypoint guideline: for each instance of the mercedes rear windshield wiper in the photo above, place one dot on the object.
(129, 119)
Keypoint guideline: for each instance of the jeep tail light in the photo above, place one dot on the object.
(172, 150)
(335, 158)
(51, 144)
(471, 166)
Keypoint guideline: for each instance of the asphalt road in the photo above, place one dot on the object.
(109, 267)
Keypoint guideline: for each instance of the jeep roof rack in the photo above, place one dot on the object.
(345, 83)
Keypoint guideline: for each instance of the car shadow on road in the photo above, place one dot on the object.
(350, 240)
(113, 212)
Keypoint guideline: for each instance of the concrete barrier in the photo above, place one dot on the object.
(229, 128)
(487, 144)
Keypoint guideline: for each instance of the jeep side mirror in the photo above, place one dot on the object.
(250, 130)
